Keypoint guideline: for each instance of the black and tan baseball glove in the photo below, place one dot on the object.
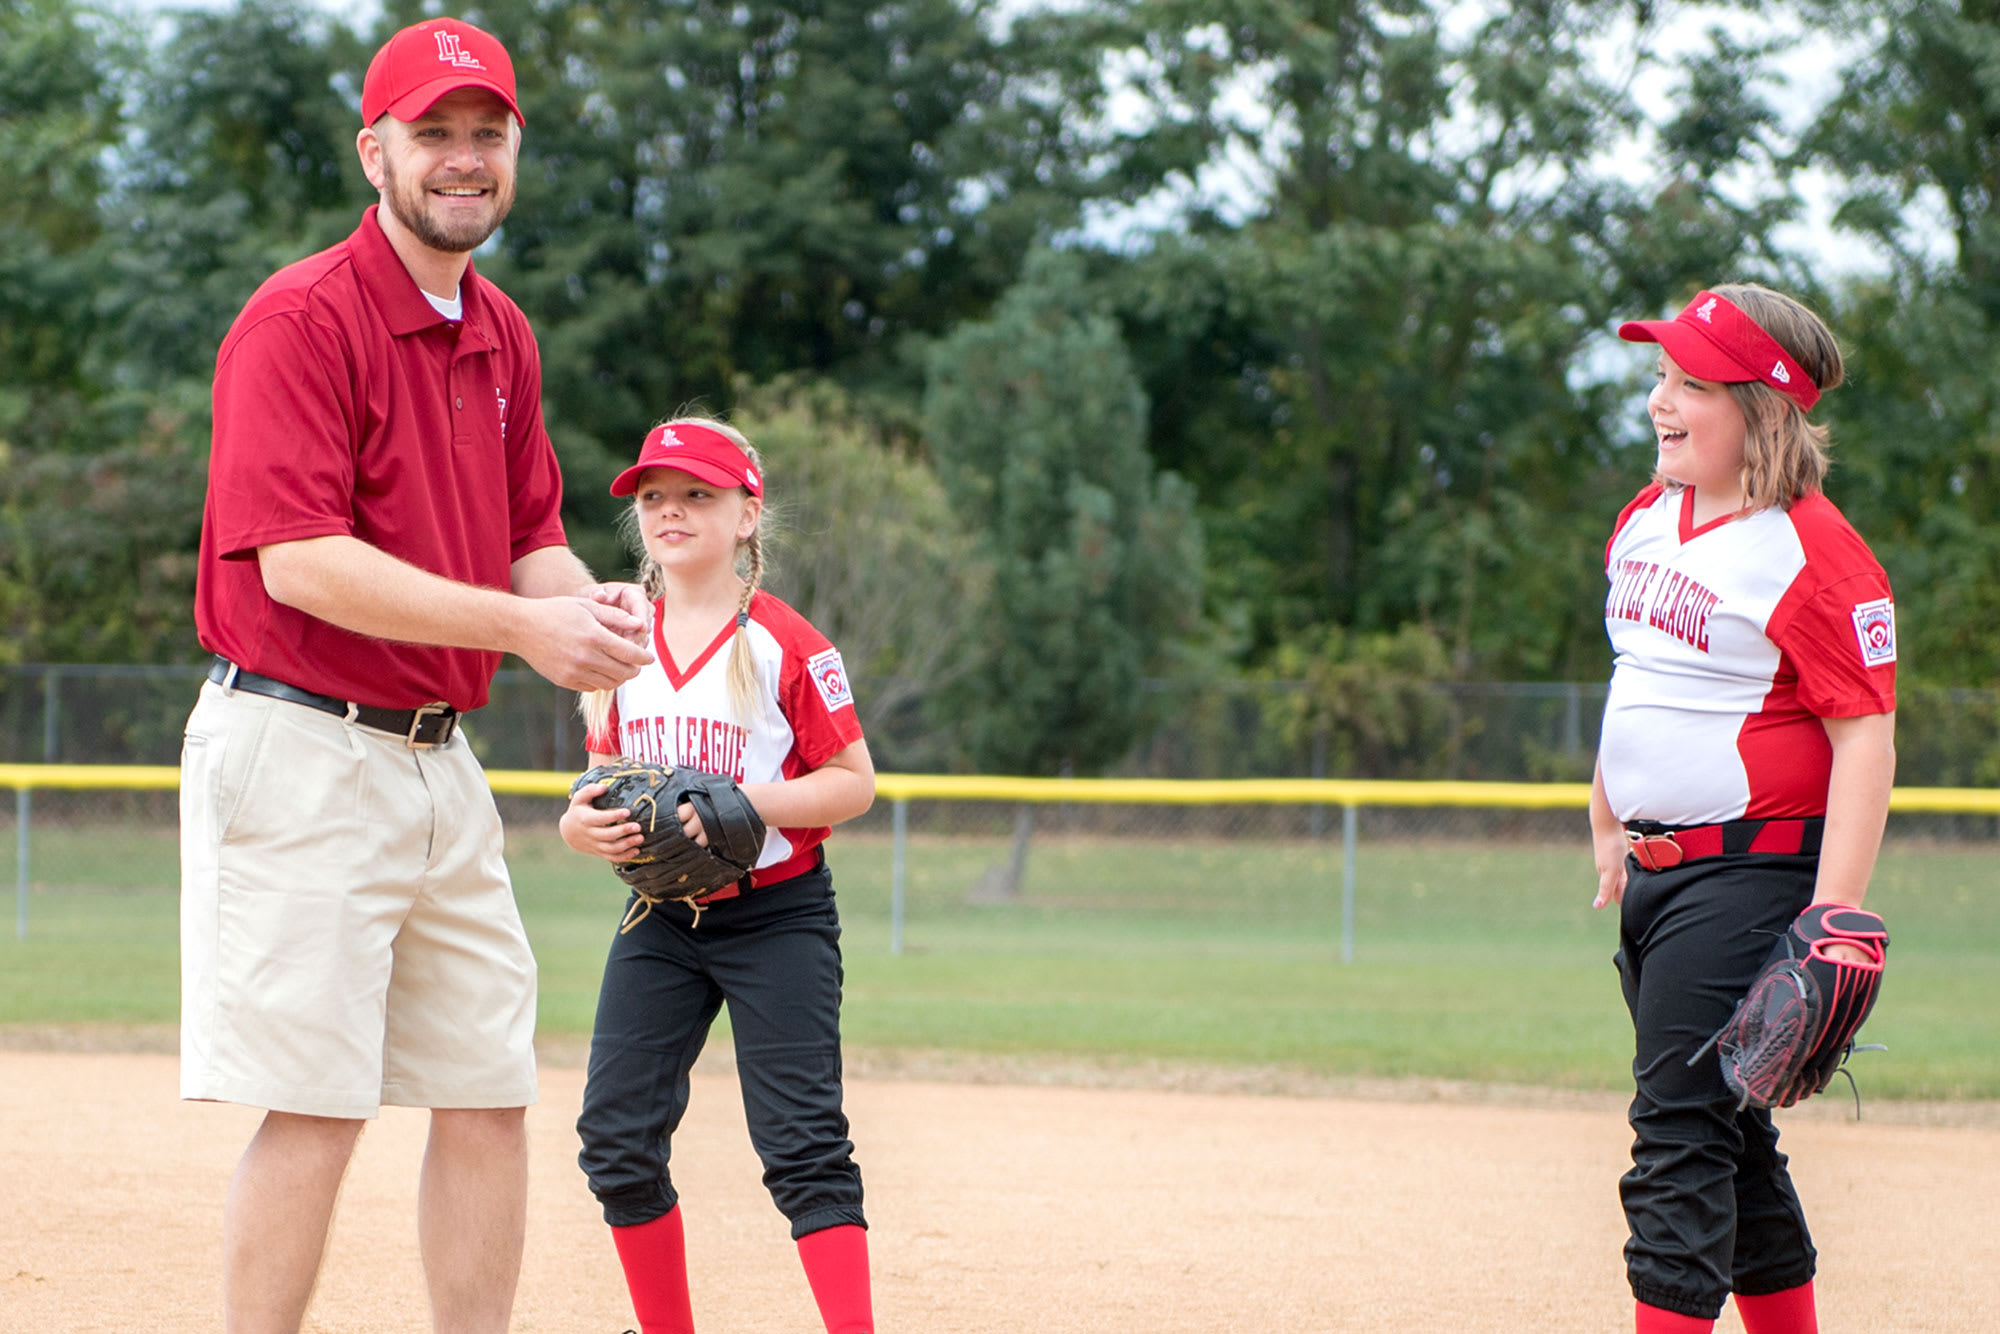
(668, 865)
(1795, 1029)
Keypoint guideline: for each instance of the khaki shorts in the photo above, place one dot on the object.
(349, 936)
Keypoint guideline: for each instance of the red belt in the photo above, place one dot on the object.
(1658, 847)
(795, 865)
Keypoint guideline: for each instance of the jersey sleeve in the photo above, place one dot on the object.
(817, 701)
(1842, 643)
(281, 463)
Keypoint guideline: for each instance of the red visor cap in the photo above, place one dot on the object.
(695, 450)
(426, 60)
(1714, 340)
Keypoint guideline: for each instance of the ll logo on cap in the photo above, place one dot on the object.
(454, 54)
(1706, 311)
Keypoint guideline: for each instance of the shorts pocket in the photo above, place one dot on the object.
(235, 768)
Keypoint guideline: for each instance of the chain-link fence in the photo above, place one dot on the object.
(1285, 866)
(1484, 731)
(119, 714)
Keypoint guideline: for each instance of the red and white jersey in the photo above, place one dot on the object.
(803, 714)
(1733, 640)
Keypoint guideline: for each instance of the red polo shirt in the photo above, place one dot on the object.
(345, 404)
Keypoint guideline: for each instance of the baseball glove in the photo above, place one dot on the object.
(1795, 1029)
(668, 864)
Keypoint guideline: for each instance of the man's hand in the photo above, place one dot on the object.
(572, 642)
(636, 624)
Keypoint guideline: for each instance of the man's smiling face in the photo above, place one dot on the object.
(448, 176)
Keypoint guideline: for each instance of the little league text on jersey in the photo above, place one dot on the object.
(712, 745)
(1680, 606)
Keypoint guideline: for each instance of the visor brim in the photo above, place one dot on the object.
(1692, 352)
(627, 482)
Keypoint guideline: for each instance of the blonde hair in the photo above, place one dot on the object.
(595, 705)
(1785, 454)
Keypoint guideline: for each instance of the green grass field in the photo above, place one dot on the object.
(1476, 962)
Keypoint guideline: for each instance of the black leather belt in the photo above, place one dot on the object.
(431, 725)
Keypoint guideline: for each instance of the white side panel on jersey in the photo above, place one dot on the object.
(1687, 622)
(1676, 767)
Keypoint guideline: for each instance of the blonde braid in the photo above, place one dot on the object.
(742, 664)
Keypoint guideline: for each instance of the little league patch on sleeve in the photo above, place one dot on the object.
(1875, 627)
(831, 678)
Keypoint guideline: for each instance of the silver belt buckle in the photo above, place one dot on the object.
(435, 709)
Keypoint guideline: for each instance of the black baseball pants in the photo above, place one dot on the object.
(773, 955)
(1709, 1203)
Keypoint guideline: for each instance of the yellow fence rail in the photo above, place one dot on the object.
(901, 789)
(1135, 791)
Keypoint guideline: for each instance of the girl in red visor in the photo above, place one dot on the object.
(740, 685)
(1742, 781)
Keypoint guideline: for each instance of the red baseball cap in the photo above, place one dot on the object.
(1714, 340)
(694, 449)
(426, 60)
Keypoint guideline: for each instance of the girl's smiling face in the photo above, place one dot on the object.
(688, 523)
(1700, 431)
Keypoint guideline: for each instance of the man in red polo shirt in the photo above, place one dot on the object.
(382, 524)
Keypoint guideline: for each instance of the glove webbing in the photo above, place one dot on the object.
(644, 903)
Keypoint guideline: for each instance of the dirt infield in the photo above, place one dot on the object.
(1000, 1203)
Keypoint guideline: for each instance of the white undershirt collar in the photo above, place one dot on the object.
(454, 309)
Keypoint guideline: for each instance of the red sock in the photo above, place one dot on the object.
(655, 1258)
(1788, 1312)
(1653, 1320)
(836, 1261)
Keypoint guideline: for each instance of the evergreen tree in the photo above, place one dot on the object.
(1037, 424)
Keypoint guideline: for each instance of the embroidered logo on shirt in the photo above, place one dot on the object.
(1875, 627)
(831, 678)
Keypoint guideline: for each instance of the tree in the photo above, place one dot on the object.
(241, 159)
(1037, 425)
(1371, 700)
(1915, 134)
(716, 194)
(1385, 378)
(229, 164)
(866, 546)
(58, 118)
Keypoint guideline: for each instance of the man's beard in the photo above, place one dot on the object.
(413, 213)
